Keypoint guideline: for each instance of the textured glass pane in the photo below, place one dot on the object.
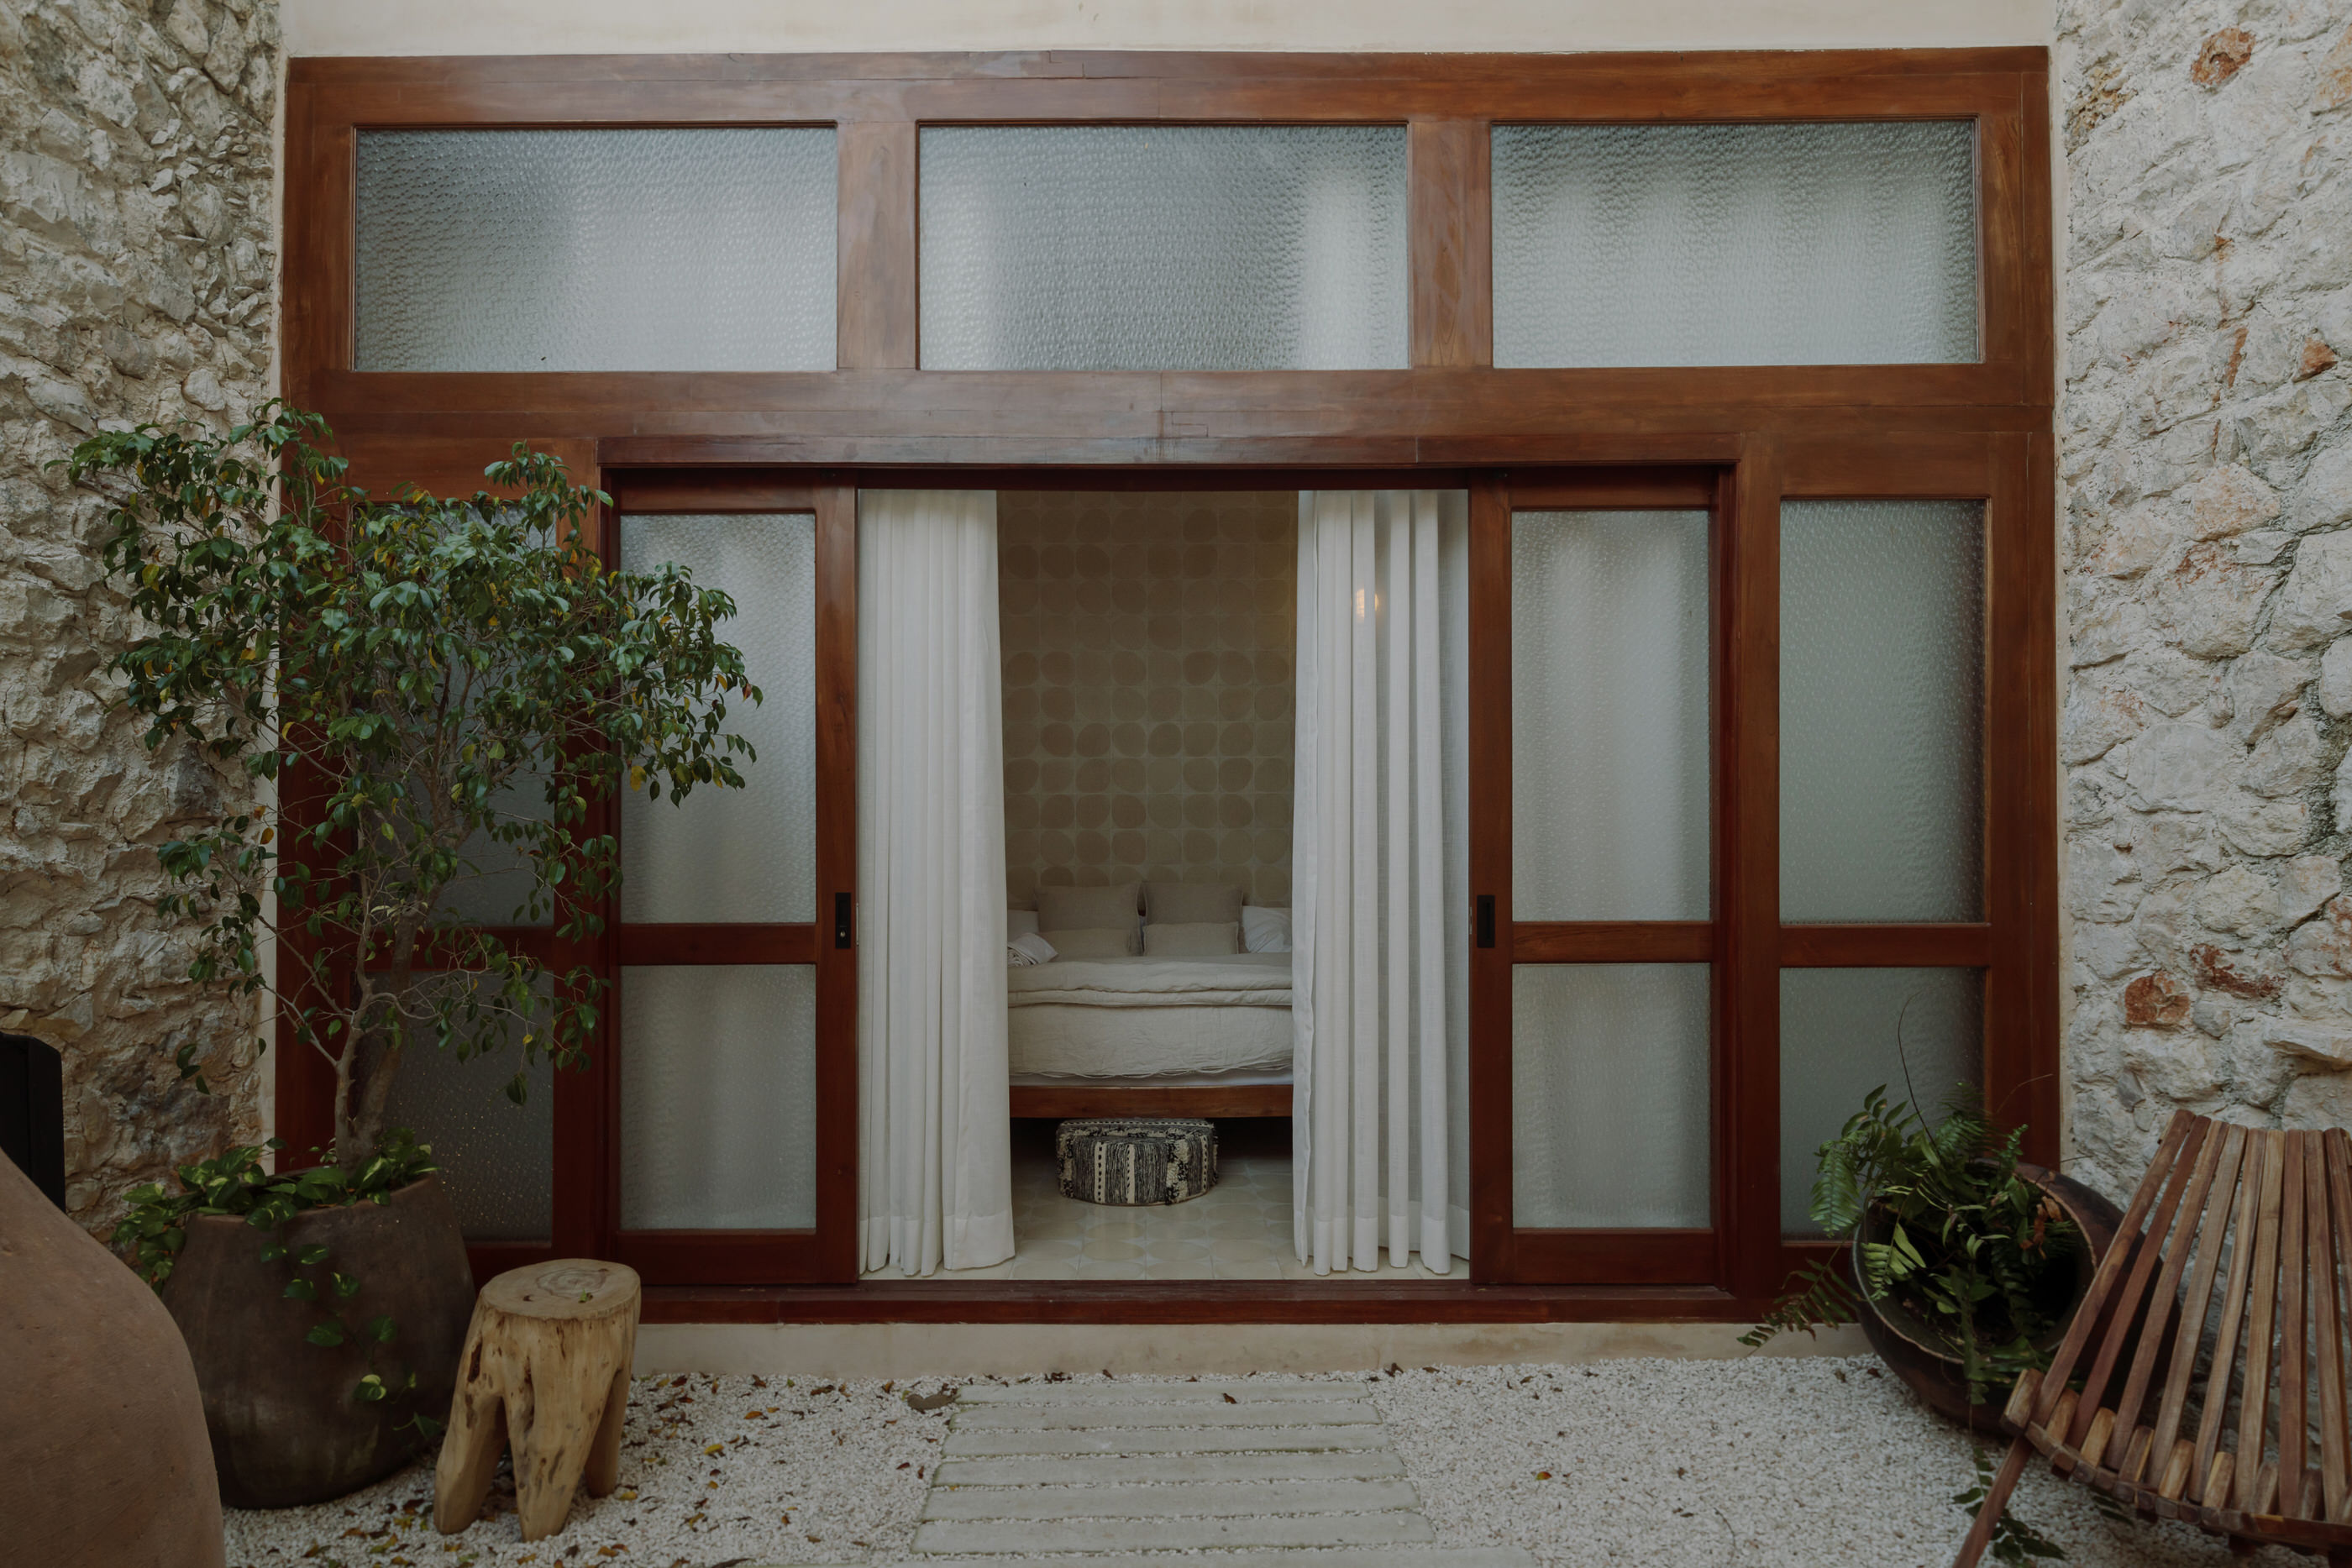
(748, 853)
(1112, 247)
(673, 249)
(1844, 1032)
(499, 892)
(1882, 710)
(1735, 245)
(496, 1158)
(718, 1097)
(1609, 716)
(1608, 1095)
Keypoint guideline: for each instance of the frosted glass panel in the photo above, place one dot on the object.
(1882, 710)
(496, 1158)
(1609, 716)
(1608, 1095)
(718, 1097)
(748, 853)
(1735, 245)
(499, 893)
(1163, 248)
(1840, 1030)
(672, 249)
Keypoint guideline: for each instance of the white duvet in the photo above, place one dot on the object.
(1150, 1018)
(1237, 979)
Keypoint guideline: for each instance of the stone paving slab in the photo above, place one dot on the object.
(1170, 1499)
(1206, 1392)
(943, 1536)
(1162, 1440)
(1045, 1470)
(1266, 1413)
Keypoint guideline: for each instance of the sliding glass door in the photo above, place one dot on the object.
(731, 1076)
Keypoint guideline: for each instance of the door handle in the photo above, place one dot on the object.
(844, 932)
(1485, 920)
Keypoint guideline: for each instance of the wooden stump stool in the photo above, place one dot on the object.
(546, 1369)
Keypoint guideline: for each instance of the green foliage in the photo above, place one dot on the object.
(1944, 1230)
(436, 675)
(235, 1185)
(2014, 1541)
(1815, 1297)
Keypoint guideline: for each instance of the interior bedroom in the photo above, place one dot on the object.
(1150, 660)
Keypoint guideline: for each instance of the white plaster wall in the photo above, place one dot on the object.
(697, 27)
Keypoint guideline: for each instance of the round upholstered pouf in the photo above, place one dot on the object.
(1131, 1162)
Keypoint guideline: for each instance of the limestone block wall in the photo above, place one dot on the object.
(136, 283)
(2206, 465)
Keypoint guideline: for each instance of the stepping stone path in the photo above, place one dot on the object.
(1262, 1473)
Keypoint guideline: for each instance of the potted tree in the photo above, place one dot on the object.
(443, 682)
(1966, 1262)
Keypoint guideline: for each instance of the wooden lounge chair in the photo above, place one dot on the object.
(2160, 1357)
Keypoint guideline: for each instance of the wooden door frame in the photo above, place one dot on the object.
(1800, 429)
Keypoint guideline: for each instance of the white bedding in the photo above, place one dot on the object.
(1144, 1019)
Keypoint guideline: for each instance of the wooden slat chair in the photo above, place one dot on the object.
(2276, 1207)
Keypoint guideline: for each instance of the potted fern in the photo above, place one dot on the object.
(1966, 1262)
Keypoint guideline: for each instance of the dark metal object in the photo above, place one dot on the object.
(33, 1113)
(843, 929)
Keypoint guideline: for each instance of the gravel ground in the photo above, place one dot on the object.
(1755, 1462)
(1747, 1463)
(712, 1469)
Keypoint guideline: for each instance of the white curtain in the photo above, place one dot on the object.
(1381, 880)
(935, 1171)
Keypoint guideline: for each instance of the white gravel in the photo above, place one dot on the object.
(1755, 1462)
(1762, 1461)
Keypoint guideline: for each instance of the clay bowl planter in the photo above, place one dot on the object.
(1915, 1352)
(285, 1424)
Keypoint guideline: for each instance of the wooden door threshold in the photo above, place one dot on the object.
(1191, 1301)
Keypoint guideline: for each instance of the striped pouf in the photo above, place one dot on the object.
(1130, 1162)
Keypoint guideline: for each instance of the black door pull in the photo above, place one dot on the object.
(843, 914)
(1485, 920)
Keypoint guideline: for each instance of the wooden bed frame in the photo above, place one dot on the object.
(1152, 1100)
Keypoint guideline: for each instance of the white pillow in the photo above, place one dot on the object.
(1265, 930)
(1028, 947)
(1019, 922)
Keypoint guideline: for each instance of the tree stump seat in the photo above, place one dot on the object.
(546, 1371)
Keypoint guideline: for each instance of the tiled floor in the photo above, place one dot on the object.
(1239, 1229)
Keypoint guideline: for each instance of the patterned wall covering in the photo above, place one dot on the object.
(1148, 647)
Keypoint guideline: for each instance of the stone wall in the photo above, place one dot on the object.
(136, 283)
(2206, 465)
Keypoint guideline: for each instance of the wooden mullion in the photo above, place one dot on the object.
(1887, 946)
(1616, 1257)
(643, 492)
(1491, 1255)
(1450, 267)
(878, 285)
(1617, 488)
(1613, 941)
(1748, 874)
(743, 943)
(837, 875)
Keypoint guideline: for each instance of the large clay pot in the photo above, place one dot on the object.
(287, 1427)
(103, 1462)
(1906, 1345)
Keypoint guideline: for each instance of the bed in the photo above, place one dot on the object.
(1205, 1036)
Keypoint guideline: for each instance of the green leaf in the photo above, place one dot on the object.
(380, 1327)
(302, 1291)
(312, 1256)
(326, 1333)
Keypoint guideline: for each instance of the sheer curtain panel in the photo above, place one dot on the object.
(935, 1172)
(1380, 945)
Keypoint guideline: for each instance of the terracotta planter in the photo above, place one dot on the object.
(103, 1462)
(285, 1427)
(1906, 1345)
